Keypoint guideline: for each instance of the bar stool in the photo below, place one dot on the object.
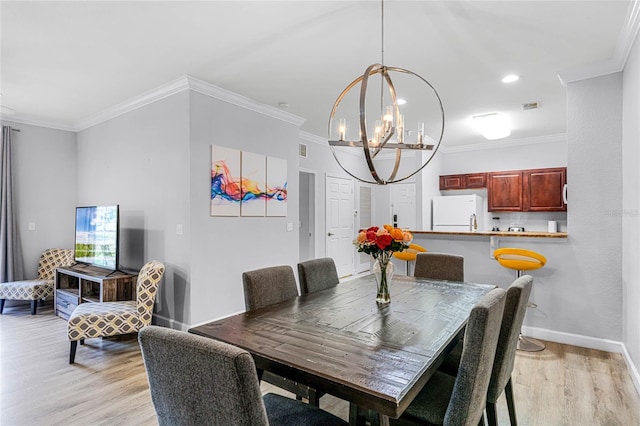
(521, 260)
(409, 254)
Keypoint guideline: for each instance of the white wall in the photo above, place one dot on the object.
(44, 167)
(140, 160)
(631, 203)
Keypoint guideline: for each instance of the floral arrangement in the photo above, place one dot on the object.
(386, 240)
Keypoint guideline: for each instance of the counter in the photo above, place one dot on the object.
(530, 234)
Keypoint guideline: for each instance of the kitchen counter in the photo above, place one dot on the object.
(526, 234)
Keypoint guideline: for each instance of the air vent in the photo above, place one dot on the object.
(302, 150)
(530, 105)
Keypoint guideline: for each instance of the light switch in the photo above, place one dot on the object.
(32, 226)
(179, 229)
(289, 226)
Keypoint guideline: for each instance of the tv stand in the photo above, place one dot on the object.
(82, 283)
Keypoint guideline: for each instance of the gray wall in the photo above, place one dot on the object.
(631, 204)
(44, 166)
(222, 248)
(140, 160)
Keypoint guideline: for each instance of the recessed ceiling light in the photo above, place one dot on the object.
(401, 101)
(283, 104)
(510, 78)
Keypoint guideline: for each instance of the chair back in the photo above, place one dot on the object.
(439, 266)
(199, 381)
(51, 259)
(514, 309)
(266, 286)
(146, 288)
(317, 274)
(468, 399)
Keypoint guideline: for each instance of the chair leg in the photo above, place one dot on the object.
(492, 415)
(72, 352)
(1, 305)
(34, 306)
(314, 400)
(508, 393)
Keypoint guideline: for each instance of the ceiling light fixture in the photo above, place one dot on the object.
(510, 78)
(391, 129)
(492, 126)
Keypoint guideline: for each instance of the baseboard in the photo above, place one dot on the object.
(587, 342)
(169, 323)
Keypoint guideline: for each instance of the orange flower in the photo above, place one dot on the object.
(397, 234)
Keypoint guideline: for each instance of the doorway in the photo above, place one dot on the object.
(306, 228)
(403, 205)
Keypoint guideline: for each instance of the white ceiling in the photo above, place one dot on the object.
(65, 61)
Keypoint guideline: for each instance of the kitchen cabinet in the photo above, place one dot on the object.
(535, 190)
(504, 190)
(463, 181)
(543, 190)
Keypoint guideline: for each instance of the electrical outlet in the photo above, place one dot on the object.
(32, 226)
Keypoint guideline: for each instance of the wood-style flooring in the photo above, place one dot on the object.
(562, 385)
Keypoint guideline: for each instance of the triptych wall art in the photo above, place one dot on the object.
(247, 184)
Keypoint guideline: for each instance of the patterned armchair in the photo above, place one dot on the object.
(42, 287)
(105, 319)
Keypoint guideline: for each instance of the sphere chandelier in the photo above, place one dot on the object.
(393, 131)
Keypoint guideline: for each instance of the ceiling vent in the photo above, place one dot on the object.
(530, 105)
(302, 150)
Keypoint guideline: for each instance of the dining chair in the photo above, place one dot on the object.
(439, 266)
(268, 286)
(317, 274)
(460, 400)
(195, 380)
(514, 309)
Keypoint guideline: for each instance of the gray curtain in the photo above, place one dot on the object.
(11, 267)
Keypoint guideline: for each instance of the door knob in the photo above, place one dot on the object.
(330, 234)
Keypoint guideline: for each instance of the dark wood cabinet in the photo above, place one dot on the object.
(465, 181)
(505, 191)
(543, 189)
(535, 190)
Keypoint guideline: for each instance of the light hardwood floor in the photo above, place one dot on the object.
(562, 385)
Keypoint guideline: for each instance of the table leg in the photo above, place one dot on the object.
(359, 416)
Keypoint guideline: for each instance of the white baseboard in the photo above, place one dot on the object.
(169, 323)
(587, 342)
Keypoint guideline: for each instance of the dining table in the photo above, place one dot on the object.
(341, 342)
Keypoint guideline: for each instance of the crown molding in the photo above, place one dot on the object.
(505, 143)
(310, 137)
(626, 38)
(21, 119)
(181, 84)
(219, 93)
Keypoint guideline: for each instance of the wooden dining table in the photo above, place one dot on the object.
(340, 342)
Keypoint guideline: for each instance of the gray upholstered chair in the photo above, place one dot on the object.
(41, 287)
(460, 400)
(439, 266)
(199, 381)
(267, 286)
(89, 320)
(514, 311)
(317, 274)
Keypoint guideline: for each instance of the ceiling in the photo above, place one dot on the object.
(63, 62)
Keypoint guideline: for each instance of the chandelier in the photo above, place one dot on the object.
(416, 130)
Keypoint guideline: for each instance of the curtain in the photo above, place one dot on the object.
(11, 267)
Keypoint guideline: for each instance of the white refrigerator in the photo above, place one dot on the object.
(457, 213)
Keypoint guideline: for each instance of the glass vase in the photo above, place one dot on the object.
(383, 272)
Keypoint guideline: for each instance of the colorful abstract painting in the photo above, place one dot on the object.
(276, 193)
(254, 175)
(225, 181)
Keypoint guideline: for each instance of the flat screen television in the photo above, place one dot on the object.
(97, 233)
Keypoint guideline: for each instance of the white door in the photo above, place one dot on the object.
(403, 205)
(340, 224)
